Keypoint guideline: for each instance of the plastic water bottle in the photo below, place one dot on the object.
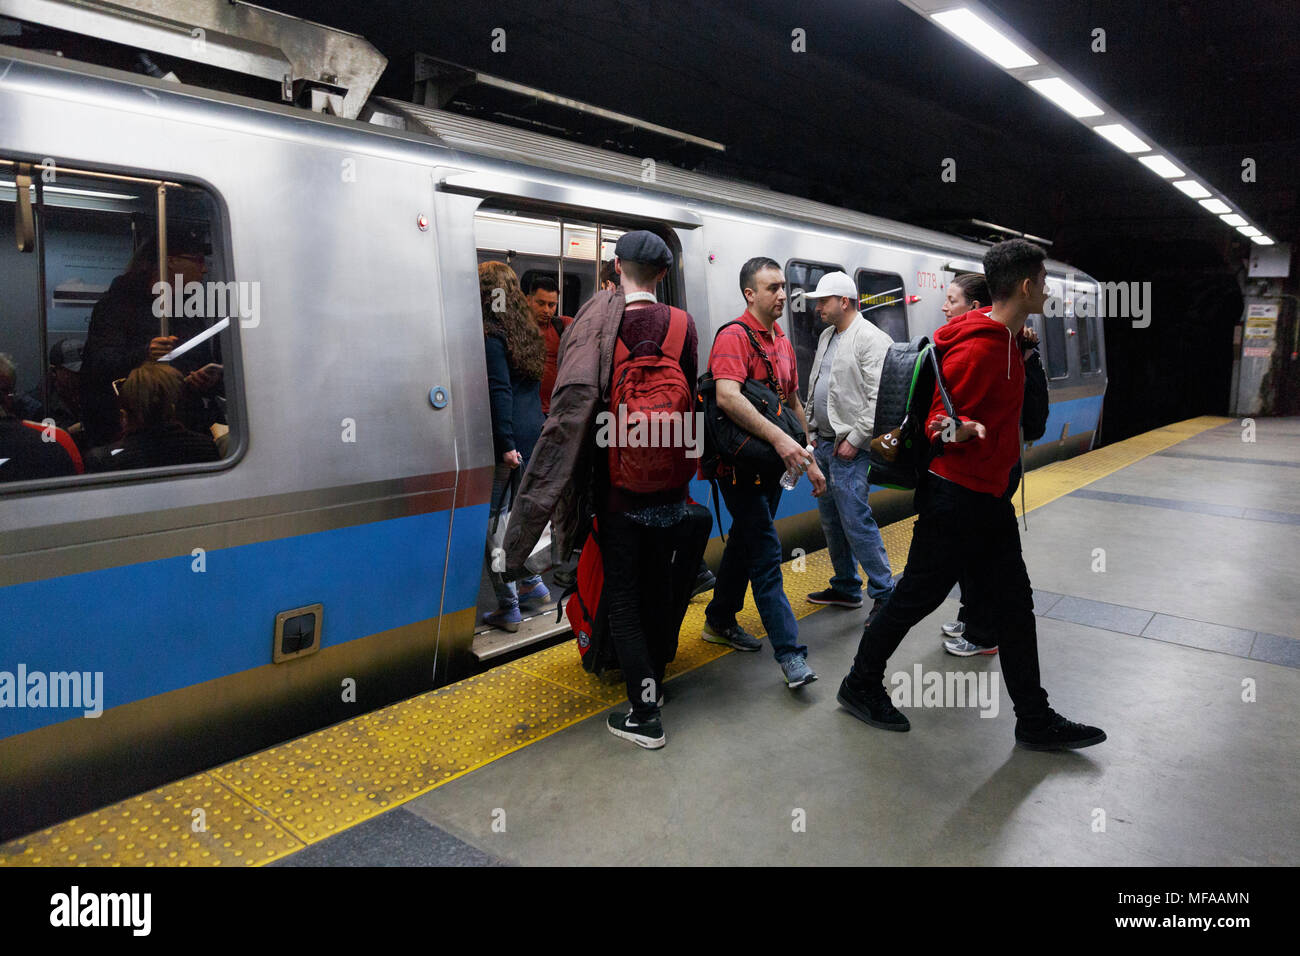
(791, 477)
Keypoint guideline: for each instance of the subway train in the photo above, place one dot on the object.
(156, 621)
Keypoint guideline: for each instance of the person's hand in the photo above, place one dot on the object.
(1028, 338)
(512, 458)
(160, 346)
(818, 480)
(793, 455)
(205, 379)
(963, 432)
(846, 450)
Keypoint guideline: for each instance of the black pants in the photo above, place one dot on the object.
(647, 586)
(963, 535)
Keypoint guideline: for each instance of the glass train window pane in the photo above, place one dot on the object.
(804, 326)
(881, 300)
(1058, 365)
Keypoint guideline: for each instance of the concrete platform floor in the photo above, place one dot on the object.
(1185, 649)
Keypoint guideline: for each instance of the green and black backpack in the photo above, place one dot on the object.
(900, 451)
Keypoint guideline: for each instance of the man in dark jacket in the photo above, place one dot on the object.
(966, 526)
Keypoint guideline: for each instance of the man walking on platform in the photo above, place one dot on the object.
(965, 526)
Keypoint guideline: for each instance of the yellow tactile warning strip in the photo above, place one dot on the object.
(273, 803)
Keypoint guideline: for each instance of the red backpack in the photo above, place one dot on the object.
(651, 386)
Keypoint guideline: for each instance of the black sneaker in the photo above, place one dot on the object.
(648, 734)
(837, 598)
(872, 707)
(1056, 733)
(704, 582)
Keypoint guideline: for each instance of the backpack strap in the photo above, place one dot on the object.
(675, 338)
(713, 488)
(762, 353)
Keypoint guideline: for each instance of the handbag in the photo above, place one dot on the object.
(732, 445)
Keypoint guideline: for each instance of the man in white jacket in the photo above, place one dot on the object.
(841, 414)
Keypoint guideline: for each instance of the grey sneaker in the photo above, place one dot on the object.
(960, 647)
(734, 636)
(954, 629)
(797, 672)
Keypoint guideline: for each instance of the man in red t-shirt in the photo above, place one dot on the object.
(544, 300)
(753, 551)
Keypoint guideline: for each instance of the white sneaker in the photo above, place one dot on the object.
(954, 629)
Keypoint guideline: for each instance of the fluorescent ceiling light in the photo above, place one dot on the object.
(1261, 240)
(1233, 220)
(88, 193)
(983, 38)
(1122, 138)
(1161, 166)
(1066, 97)
(1249, 231)
(1217, 206)
(1192, 188)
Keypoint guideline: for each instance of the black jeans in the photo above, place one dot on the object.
(646, 593)
(963, 535)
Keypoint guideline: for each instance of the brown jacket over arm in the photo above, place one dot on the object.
(556, 486)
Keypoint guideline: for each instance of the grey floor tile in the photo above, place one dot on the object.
(1275, 649)
(1044, 601)
(396, 838)
(1110, 617)
(1264, 514)
(1210, 637)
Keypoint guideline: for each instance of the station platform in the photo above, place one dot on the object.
(1166, 568)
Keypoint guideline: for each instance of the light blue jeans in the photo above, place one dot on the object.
(507, 595)
(852, 535)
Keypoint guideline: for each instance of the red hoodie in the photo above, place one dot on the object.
(985, 374)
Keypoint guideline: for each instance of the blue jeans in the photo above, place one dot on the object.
(850, 530)
(753, 556)
(507, 596)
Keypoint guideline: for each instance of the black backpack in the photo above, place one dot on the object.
(900, 451)
(726, 442)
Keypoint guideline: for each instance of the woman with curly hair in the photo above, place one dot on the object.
(516, 356)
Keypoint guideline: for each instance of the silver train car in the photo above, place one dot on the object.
(156, 621)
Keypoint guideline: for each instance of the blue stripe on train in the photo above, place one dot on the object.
(160, 626)
(1080, 413)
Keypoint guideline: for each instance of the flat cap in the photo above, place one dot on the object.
(643, 246)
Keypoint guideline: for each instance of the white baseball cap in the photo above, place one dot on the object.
(834, 284)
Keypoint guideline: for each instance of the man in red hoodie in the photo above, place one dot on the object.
(965, 526)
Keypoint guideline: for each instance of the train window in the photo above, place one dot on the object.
(105, 362)
(1089, 347)
(1058, 365)
(881, 299)
(534, 245)
(804, 326)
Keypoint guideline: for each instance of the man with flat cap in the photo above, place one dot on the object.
(842, 389)
(637, 493)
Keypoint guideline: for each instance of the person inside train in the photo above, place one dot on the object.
(152, 435)
(123, 333)
(25, 454)
(969, 292)
(65, 387)
(842, 416)
(543, 301)
(966, 526)
(608, 276)
(752, 554)
(516, 362)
